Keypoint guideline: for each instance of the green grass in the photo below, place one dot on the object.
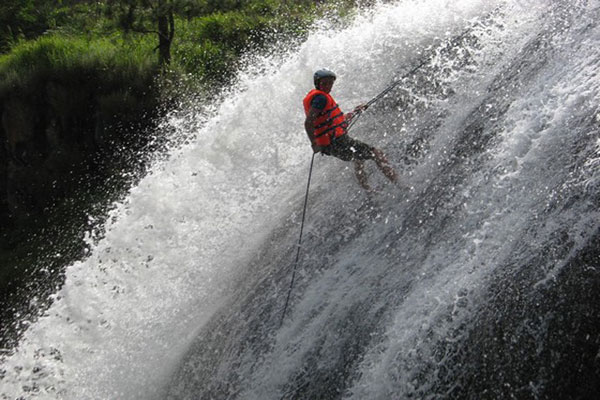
(207, 46)
(116, 61)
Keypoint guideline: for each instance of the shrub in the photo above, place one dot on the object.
(110, 61)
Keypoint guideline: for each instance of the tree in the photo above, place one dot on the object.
(22, 18)
(166, 31)
(149, 16)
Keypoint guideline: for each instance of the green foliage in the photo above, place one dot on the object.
(60, 58)
(20, 17)
(197, 8)
(210, 46)
(118, 37)
(29, 19)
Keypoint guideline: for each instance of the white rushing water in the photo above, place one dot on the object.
(506, 107)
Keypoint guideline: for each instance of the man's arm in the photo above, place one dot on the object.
(356, 111)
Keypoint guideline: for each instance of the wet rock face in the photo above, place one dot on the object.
(25, 155)
(38, 159)
(533, 340)
(53, 140)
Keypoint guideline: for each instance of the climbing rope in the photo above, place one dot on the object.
(299, 240)
(387, 90)
(406, 75)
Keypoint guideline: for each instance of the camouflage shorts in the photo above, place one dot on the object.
(348, 149)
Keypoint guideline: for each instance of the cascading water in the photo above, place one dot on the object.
(480, 281)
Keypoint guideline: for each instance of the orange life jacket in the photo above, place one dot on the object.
(330, 122)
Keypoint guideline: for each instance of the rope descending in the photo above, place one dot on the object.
(299, 240)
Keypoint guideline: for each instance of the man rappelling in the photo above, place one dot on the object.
(326, 126)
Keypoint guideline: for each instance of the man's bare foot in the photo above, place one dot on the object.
(390, 174)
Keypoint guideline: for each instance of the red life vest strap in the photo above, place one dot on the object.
(330, 122)
(332, 128)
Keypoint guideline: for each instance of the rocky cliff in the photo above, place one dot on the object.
(61, 136)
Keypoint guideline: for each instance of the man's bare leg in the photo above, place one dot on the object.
(361, 175)
(384, 166)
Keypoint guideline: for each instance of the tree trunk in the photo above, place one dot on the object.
(166, 31)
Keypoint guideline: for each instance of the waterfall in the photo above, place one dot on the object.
(475, 277)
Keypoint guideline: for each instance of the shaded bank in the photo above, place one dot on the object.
(76, 119)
